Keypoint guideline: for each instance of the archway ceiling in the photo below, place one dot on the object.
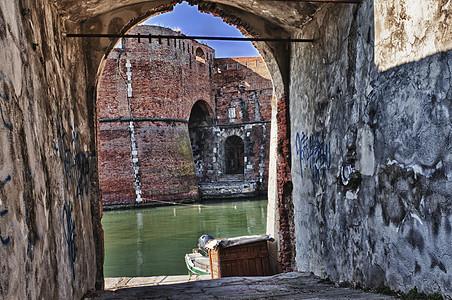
(287, 15)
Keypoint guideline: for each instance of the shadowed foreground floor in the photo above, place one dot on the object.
(282, 286)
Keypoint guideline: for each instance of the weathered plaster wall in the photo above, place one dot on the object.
(409, 30)
(371, 158)
(48, 161)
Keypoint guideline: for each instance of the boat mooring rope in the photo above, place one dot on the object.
(172, 202)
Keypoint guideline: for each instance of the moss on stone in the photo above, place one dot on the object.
(413, 294)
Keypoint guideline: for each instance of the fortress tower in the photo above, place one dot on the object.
(175, 123)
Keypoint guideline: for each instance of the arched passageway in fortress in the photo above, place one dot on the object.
(360, 160)
(275, 56)
(201, 114)
(286, 160)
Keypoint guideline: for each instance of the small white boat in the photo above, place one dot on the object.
(197, 264)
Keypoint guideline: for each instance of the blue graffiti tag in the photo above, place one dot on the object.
(314, 154)
(75, 161)
(4, 240)
(5, 181)
(69, 235)
(4, 97)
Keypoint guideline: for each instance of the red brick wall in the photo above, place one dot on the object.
(166, 80)
(166, 77)
(244, 85)
(166, 162)
(115, 151)
(286, 209)
(238, 82)
(112, 92)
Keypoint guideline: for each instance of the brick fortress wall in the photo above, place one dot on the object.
(242, 91)
(146, 95)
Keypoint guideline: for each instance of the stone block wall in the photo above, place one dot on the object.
(256, 145)
(371, 158)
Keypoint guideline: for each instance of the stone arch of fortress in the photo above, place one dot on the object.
(360, 161)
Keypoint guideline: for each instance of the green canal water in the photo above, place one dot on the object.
(151, 242)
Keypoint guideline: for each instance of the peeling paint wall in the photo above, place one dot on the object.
(371, 156)
(48, 164)
(409, 30)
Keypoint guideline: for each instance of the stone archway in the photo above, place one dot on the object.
(262, 20)
(347, 221)
(276, 56)
(201, 115)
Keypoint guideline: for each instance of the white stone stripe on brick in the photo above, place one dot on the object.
(133, 145)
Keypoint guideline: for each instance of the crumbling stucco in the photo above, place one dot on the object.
(409, 30)
(47, 157)
(370, 158)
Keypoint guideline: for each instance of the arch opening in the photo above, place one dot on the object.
(202, 115)
(200, 56)
(234, 156)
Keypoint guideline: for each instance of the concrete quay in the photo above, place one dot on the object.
(292, 285)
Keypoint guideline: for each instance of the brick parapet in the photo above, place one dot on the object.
(167, 76)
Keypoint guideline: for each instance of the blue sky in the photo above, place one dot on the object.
(192, 22)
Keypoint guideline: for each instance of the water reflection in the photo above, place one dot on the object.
(140, 232)
(152, 242)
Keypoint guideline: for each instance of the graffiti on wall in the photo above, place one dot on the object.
(5, 240)
(4, 97)
(75, 161)
(76, 175)
(5, 181)
(314, 154)
(69, 234)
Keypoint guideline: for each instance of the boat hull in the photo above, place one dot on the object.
(197, 264)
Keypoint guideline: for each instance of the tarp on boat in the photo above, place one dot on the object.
(242, 240)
